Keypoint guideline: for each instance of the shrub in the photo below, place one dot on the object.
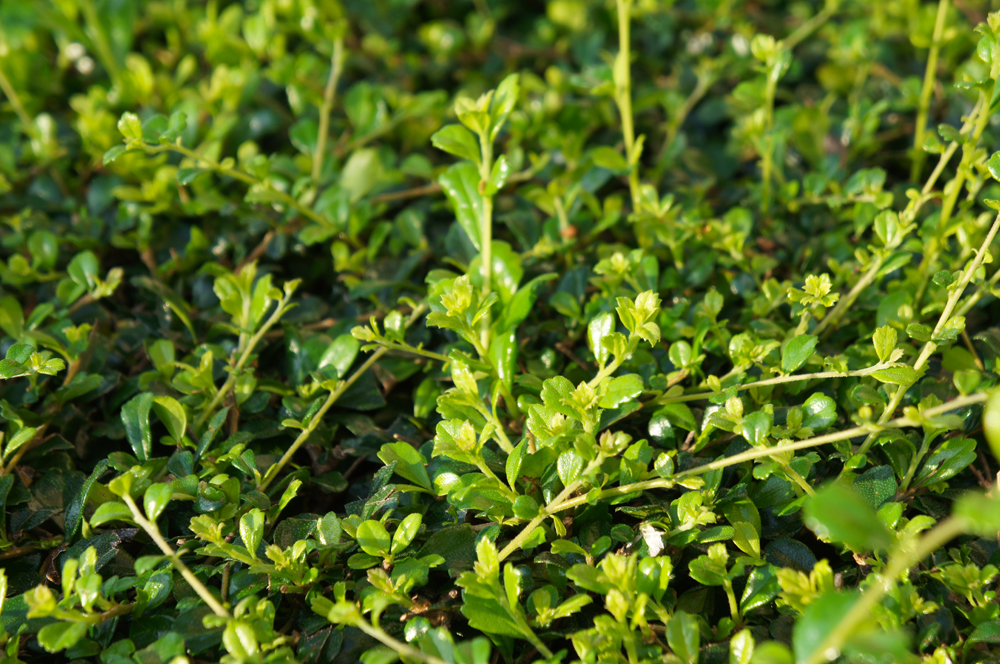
(577, 332)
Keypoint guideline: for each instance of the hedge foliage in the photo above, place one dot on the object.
(497, 331)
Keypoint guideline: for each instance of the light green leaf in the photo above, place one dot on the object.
(172, 414)
(797, 351)
(135, 417)
(458, 141)
(461, 185)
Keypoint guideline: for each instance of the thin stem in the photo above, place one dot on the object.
(930, 347)
(245, 349)
(15, 103)
(315, 420)
(926, 90)
(903, 560)
(820, 375)
(767, 159)
(798, 479)
(807, 28)
(341, 387)
(100, 39)
(845, 302)
(623, 96)
(189, 576)
(734, 607)
(329, 96)
(633, 343)
(401, 648)
(525, 533)
(761, 452)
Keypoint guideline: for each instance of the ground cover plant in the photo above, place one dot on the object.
(448, 332)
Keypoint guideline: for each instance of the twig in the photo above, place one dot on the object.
(329, 96)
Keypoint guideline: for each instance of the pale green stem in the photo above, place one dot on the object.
(100, 39)
(930, 347)
(329, 96)
(845, 302)
(903, 560)
(15, 103)
(767, 159)
(811, 25)
(544, 513)
(154, 532)
(245, 348)
(927, 90)
(798, 479)
(821, 375)
(486, 234)
(623, 96)
(611, 367)
(341, 387)
(954, 187)
(399, 647)
(762, 452)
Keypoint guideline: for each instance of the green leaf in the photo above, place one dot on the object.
(993, 164)
(684, 637)
(901, 375)
(757, 427)
(885, 342)
(526, 507)
(172, 414)
(113, 153)
(503, 355)
(405, 533)
(609, 158)
(74, 511)
(948, 460)
(20, 353)
(513, 466)
(62, 635)
(373, 538)
(18, 440)
(461, 185)
(156, 499)
(991, 423)
(112, 511)
(797, 351)
(741, 647)
(410, 464)
(458, 141)
(135, 417)
(839, 514)
(130, 127)
(12, 369)
(498, 176)
(488, 616)
(819, 412)
(361, 173)
(504, 101)
(569, 466)
(620, 390)
(599, 327)
(340, 355)
(252, 530)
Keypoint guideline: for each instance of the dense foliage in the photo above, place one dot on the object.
(497, 331)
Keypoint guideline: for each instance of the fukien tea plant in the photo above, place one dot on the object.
(579, 331)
